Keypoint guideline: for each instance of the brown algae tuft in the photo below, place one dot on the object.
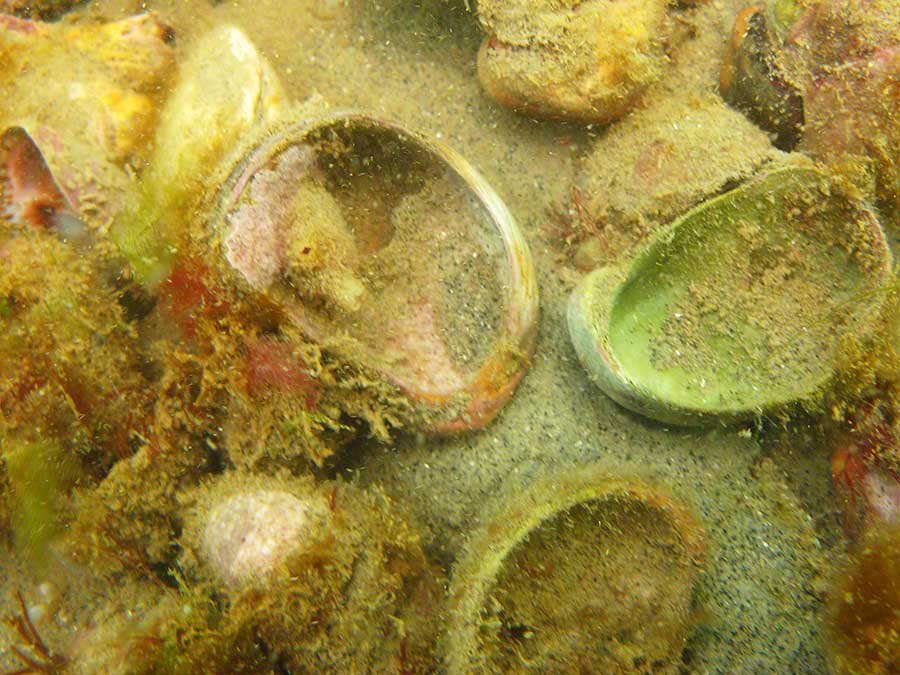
(863, 620)
(70, 395)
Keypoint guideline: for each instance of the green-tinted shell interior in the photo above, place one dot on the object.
(742, 303)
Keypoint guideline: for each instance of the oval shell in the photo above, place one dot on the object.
(738, 306)
(390, 250)
(583, 572)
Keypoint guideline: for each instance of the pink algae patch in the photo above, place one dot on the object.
(259, 225)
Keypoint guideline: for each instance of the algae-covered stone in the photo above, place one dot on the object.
(583, 572)
(326, 577)
(646, 170)
(92, 85)
(585, 61)
(853, 117)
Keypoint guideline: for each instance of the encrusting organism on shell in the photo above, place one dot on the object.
(326, 575)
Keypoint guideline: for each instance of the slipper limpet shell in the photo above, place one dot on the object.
(581, 573)
(225, 91)
(751, 79)
(391, 251)
(738, 306)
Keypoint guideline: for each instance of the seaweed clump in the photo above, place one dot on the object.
(72, 398)
(317, 577)
(863, 619)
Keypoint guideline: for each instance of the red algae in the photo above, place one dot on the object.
(185, 296)
(273, 367)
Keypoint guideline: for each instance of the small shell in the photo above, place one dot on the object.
(750, 79)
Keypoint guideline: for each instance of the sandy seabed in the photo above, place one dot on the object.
(771, 520)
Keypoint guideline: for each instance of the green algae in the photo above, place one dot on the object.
(38, 474)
